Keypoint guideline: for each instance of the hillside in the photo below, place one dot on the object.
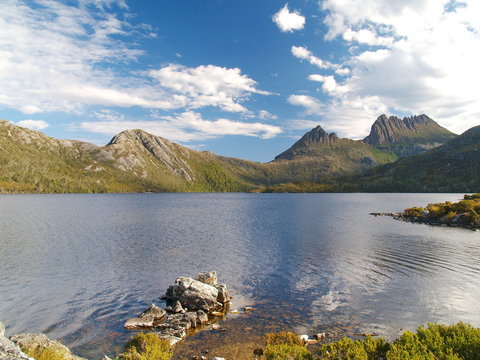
(330, 155)
(134, 161)
(452, 167)
(407, 136)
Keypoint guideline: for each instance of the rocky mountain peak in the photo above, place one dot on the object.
(316, 136)
(413, 129)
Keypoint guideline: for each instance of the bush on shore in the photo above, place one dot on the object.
(434, 342)
(146, 347)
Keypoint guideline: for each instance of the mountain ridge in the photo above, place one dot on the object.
(407, 136)
(136, 161)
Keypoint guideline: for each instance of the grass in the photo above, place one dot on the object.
(146, 347)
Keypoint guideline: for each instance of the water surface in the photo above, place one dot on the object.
(77, 266)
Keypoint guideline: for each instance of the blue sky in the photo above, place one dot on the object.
(239, 78)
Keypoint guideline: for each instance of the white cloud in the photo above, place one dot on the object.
(330, 85)
(30, 109)
(288, 21)
(264, 114)
(186, 126)
(305, 54)
(366, 36)
(33, 124)
(407, 56)
(311, 105)
(207, 85)
(60, 57)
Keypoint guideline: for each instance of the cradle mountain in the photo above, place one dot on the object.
(136, 161)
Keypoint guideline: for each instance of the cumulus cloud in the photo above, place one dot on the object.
(303, 53)
(207, 85)
(64, 56)
(309, 103)
(33, 124)
(402, 56)
(185, 127)
(288, 21)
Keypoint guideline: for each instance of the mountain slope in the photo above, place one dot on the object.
(330, 155)
(133, 161)
(452, 167)
(407, 136)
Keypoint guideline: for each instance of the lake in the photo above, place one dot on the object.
(76, 267)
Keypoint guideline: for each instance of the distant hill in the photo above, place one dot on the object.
(407, 136)
(452, 167)
(337, 156)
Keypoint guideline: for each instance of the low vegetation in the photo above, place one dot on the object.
(434, 342)
(146, 347)
(47, 353)
(464, 213)
(285, 345)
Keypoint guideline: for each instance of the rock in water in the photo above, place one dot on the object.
(193, 294)
(209, 278)
(155, 312)
(135, 323)
(2, 329)
(223, 296)
(41, 340)
(146, 319)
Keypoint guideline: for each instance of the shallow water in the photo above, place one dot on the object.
(77, 266)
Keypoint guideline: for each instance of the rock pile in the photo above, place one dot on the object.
(189, 302)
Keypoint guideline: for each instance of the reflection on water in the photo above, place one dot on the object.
(77, 266)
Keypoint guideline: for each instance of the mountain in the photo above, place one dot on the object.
(452, 167)
(407, 136)
(133, 161)
(334, 156)
(136, 161)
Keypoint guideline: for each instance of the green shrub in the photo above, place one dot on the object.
(147, 347)
(414, 212)
(344, 349)
(46, 353)
(283, 338)
(286, 352)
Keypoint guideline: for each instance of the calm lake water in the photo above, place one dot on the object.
(76, 267)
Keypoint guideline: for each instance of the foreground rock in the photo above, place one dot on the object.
(147, 319)
(35, 341)
(188, 304)
(8, 349)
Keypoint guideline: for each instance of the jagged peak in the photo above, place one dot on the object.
(315, 136)
(388, 130)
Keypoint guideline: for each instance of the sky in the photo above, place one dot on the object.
(239, 78)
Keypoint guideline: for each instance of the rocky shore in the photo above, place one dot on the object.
(10, 347)
(190, 303)
(424, 219)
